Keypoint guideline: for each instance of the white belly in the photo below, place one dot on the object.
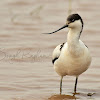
(72, 65)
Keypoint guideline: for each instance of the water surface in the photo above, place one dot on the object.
(26, 71)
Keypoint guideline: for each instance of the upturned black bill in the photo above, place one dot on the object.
(58, 29)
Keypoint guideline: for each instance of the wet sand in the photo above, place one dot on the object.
(26, 71)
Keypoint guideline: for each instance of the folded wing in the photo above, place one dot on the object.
(56, 52)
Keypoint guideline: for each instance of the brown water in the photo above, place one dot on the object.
(26, 71)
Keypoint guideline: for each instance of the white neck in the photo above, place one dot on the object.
(73, 35)
(73, 40)
(74, 32)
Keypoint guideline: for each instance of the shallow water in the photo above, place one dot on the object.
(26, 71)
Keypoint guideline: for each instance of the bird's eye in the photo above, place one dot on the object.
(73, 20)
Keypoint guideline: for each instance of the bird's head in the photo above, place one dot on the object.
(74, 21)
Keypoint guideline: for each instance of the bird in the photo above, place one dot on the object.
(73, 57)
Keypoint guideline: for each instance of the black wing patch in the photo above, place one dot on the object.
(61, 46)
(86, 46)
(54, 60)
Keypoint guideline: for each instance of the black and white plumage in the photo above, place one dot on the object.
(57, 52)
(73, 57)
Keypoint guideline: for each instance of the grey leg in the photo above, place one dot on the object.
(75, 84)
(61, 85)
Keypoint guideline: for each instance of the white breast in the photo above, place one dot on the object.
(73, 61)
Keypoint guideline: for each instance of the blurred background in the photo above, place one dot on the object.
(26, 71)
